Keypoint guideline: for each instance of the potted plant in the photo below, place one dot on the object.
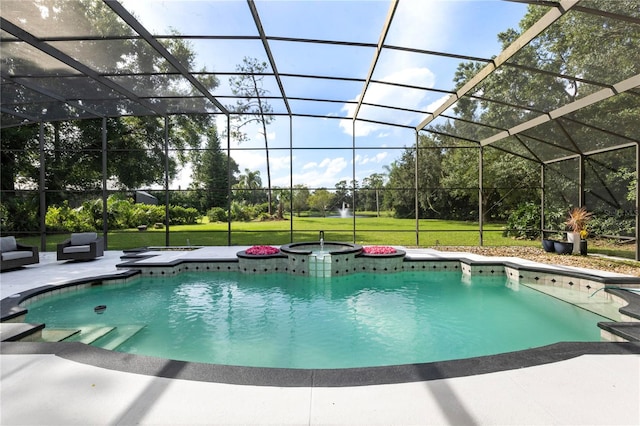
(563, 247)
(548, 243)
(577, 223)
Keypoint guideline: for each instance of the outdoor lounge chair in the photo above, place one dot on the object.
(81, 246)
(14, 255)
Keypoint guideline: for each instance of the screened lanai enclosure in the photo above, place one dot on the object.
(420, 123)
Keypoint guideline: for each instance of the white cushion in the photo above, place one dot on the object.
(11, 255)
(77, 249)
(8, 244)
(83, 238)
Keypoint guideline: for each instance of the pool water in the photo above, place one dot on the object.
(282, 320)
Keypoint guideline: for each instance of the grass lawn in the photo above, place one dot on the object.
(369, 230)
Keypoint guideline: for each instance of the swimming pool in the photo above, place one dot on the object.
(280, 320)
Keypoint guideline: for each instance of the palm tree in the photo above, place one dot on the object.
(249, 181)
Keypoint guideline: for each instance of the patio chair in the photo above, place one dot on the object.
(81, 246)
(15, 255)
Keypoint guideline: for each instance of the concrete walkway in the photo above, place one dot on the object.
(46, 389)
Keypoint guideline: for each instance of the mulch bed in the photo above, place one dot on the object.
(591, 261)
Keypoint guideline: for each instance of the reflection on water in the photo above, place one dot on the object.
(283, 320)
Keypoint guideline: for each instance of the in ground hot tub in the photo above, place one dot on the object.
(322, 259)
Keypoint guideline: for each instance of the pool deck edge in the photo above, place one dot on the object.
(348, 377)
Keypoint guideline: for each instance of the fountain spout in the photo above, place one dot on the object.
(321, 240)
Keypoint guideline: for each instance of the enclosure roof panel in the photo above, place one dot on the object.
(537, 78)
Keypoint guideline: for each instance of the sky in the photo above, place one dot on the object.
(463, 27)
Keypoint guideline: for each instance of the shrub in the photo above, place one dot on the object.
(217, 214)
(617, 224)
(179, 215)
(64, 218)
(524, 222)
(239, 211)
(19, 214)
(264, 217)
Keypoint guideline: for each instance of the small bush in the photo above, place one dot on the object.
(618, 224)
(524, 222)
(240, 212)
(217, 214)
(264, 217)
(64, 218)
(179, 215)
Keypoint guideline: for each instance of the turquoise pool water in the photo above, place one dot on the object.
(282, 320)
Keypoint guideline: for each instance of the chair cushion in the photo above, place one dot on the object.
(19, 254)
(77, 249)
(8, 244)
(83, 238)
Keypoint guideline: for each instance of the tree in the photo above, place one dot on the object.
(283, 196)
(249, 185)
(18, 155)
(136, 144)
(300, 198)
(373, 183)
(252, 107)
(401, 196)
(342, 196)
(210, 174)
(321, 200)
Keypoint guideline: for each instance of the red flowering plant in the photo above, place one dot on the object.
(378, 250)
(262, 250)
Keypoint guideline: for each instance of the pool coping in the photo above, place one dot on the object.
(348, 377)
(282, 377)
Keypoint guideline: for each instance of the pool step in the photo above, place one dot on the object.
(118, 336)
(89, 334)
(58, 334)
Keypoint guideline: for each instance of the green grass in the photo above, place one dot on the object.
(369, 230)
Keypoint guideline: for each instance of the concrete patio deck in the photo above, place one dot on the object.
(41, 388)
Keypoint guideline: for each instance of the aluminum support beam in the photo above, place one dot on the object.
(637, 212)
(589, 100)
(267, 49)
(416, 188)
(481, 195)
(229, 178)
(376, 56)
(105, 216)
(159, 47)
(41, 91)
(167, 217)
(78, 66)
(525, 38)
(41, 191)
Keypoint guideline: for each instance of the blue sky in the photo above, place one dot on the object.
(455, 26)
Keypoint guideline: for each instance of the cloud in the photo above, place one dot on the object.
(324, 174)
(388, 95)
(435, 104)
(362, 160)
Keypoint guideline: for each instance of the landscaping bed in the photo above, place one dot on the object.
(591, 261)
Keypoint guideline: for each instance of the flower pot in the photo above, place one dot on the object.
(583, 247)
(574, 238)
(548, 245)
(562, 247)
